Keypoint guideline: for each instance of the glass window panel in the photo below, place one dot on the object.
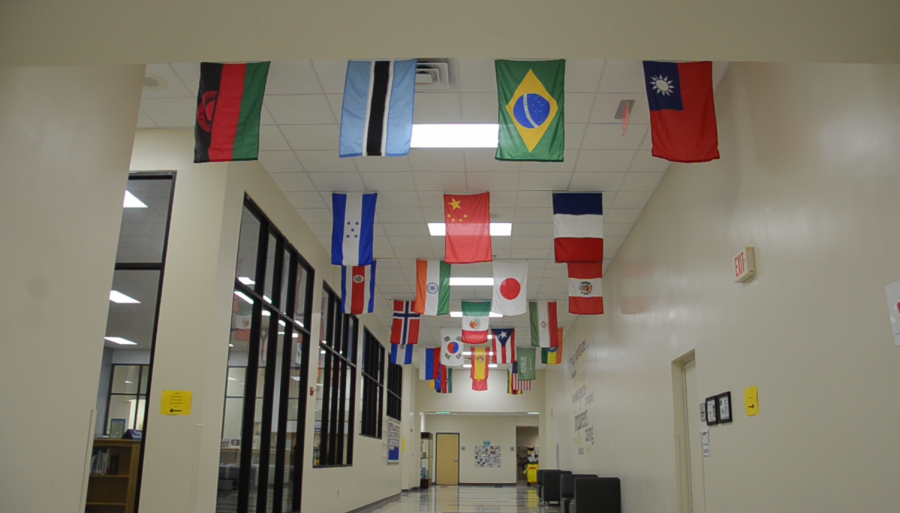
(131, 321)
(285, 289)
(247, 248)
(230, 456)
(126, 407)
(300, 290)
(325, 318)
(235, 385)
(273, 449)
(143, 231)
(270, 269)
(125, 379)
(145, 378)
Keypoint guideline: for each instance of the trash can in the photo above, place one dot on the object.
(531, 473)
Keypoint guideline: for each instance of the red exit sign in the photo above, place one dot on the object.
(744, 265)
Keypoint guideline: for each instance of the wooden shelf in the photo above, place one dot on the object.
(108, 493)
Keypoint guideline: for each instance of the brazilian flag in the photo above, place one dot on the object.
(531, 95)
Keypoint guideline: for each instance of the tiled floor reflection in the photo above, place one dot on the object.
(468, 499)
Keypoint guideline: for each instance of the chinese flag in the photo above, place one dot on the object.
(468, 220)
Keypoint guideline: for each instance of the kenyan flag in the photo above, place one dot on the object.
(229, 102)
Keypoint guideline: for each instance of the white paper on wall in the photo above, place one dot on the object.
(893, 299)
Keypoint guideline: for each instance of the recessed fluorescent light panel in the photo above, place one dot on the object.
(243, 296)
(497, 229)
(455, 136)
(121, 341)
(246, 281)
(471, 282)
(117, 297)
(131, 201)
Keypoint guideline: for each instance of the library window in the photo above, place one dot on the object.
(335, 384)
(268, 351)
(373, 386)
(395, 390)
(127, 399)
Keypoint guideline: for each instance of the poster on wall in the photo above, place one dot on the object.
(582, 396)
(487, 456)
(393, 442)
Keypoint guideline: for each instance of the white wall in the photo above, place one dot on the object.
(494, 399)
(473, 431)
(808, 176)
(65, 141)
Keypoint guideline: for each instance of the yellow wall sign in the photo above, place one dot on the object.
(175, 402)
(751, 401)
(403, 444)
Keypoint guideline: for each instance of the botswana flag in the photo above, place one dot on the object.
(377, 113)
(229, 102)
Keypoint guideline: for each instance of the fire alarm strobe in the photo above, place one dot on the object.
(744, 265)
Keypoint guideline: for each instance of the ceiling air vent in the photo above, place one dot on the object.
(432, 75)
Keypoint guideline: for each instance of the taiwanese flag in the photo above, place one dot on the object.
(682, 112)
(229, 102)
(468, 235)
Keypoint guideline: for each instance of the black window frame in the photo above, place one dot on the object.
(394, 390)
(143, 376)
(372, 372)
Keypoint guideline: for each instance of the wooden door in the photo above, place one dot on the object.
(447, 459)
(695, 450)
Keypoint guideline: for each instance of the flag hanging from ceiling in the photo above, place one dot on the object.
(682, 111)
(479, 369)
(585, 288)
(468, 228)
(551, 355)
(229, 102)
(358, 289)
(443, 384)
(432, 287)
(401, 354)
(242, 315)
(525, 360)
(543, 324)
(475, 320)
(405, 325)
(511, 384)
(578, 226)
(377, 114)
(510, 282)
(503, 345)
(428, 366)
(516, 386)
(531, 95)
(451, 347)
(352, 228)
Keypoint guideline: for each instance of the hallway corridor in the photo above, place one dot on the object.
(467, 499)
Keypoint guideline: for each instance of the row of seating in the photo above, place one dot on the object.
(579, 493)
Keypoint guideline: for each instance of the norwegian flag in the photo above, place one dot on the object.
(405, 327)
(503, 345)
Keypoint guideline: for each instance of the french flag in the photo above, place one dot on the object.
(578, 227)
(353, 227)
(358, 289)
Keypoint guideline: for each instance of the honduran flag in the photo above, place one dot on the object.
(586, 288)
(352, 228)
(503, 345)
(358, 289)
(405, 326)
(229, 102)
(377, 114)
(682, 111)
(543, 324)
(578, 227)
(432, 287)
(401, 354)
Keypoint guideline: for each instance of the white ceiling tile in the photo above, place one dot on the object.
(641, 181)
(388, 199)
(431, 199)
(390, 264)
(645, 162)
(436, 108)
(294, 182)
(418, 253)
(616, 229)
(534, 230)
(174, 87)
(612, 242)
(393, 289)
(532, 252)
(144, 120)
(374, 164)
(436, 159)
(534, 215)
(535, 200)
(610, 137)
(520, 242)
(570, 157)
(503, 199)
(400, 215)
(392, 273)
(315, 215)
(493, 181)
(479, 107)
(306, 200)
(433, 215)
(312, 137)
(583, 75)
(499, 242)
(476, 76)
(720, 68)
(502, 215)
(621, 215)
(389, 181)
(606, 105)
(300, 109)
(270, 138)
(336, 103)
(406, 230)
(574, 135)
(578, 107)
(482, 159)
(338, 182)
(584, 182)
(332, 73)
(382, 253)
(171, 112)
(604, 161)
(410, 242)
(501, 253)
(325, 160)
(621, 76)
(439, 181)
(190, 76)
(324, 230)
(265, 118)
(631, 199)
(292, 77)
(544, 181)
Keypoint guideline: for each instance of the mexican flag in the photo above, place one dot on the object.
(475, 322)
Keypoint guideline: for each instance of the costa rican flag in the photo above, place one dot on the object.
(358, 289)
(352, 228)
(405, 327)
(586, 289)
(503, 345)
(578, 227)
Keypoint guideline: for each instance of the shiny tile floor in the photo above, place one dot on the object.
(468, 499)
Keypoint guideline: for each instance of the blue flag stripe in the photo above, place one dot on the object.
(354, 108)
(338, 205)
(578, 203)
(400, 115)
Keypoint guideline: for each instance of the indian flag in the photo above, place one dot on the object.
(543, 324)
(475, 322)
(432, 287)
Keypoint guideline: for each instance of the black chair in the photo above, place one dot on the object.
(597, 495)
(550, 490)
(539, 481)
(567, 488)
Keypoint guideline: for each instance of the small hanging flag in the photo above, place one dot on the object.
(358, 289)
(405, 326)
(479, 370)
(401, 354)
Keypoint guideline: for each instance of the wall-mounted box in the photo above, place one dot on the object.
(744, 265)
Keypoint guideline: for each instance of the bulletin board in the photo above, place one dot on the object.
(393, 442)
(487, 456)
